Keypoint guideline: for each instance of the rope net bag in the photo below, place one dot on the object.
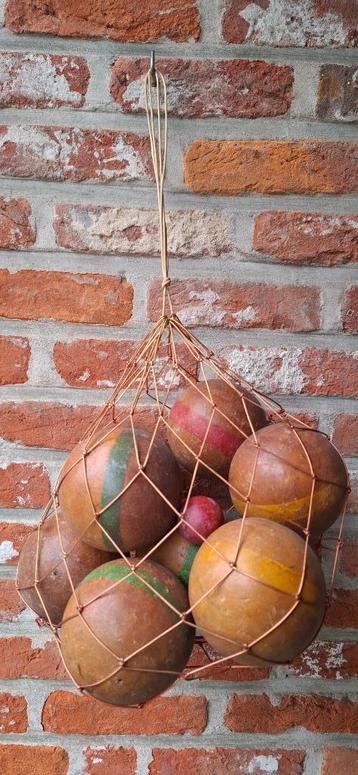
(134, 560)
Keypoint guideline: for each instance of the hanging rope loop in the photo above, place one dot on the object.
(157, 118)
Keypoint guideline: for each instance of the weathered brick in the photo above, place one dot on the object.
(350, 311)
(327, 659)
(66, 713)
(226, 671)
(36, 759)
(73, 154)
(339, 761)
(279, 23)
(11, 605)
(337, 96)
(295, 370)
(345, 434)
(128, 231)
(42, 80)
(57, 426)
(202, 88)
(37, 424)
(24, 485)
(122, 20)
(96, 363)
(12, 538)
(220, 303)
(343, 610)
(316, 713)
(352, 503)
(19, 659)
(110, 761)
(13, 713)
(349, 558)
(307, 238)
(271, 166)
(79, 298)
(226, 761)
(15, 354)
(16, 228)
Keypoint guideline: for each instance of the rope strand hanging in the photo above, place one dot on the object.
(191, 513)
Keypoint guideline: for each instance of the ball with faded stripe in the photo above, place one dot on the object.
(123, 491)
(219, 405)
(177, 554)
(42, 577)
(276, 470)
(237, 605)
(118, 617)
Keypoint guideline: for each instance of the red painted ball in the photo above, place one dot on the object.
(204, 515)
(221, 406)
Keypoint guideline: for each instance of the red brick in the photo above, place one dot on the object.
(337, 93)
(11, 605)
(110, 761)
(343, 610)
(225, 761)
(339, 761)
(128, 231)
(38, 424)
(79, 298)
(319, 24)
(73, 154)
(202, 88)
(35, 759)
(350, 311)
(226, 671)
(15, 354)
(122, 20)
(66, 713)
(307, 238)
(271, 166)
(12, 538)
(16, 228)
(24, 485)
(219, 303)
(293, 370)
(86, 363)
(56, 426)
(352, 503)
(18, 659)
(349, 558)
(345, 434)
(13, 714)
(316, 713)
(327, 659)
(42, 80)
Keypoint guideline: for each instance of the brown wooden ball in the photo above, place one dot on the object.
(140, 516)
(54, 585)
(190, 416)
(282, 480)
(258, 592)
(177, 554)
(125, 615)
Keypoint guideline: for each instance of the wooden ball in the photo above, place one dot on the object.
(138, 517)
(177, 554)
(54, 585)
(125, 614)
(204, 515)
(190, 416)
(258, 592)
(282, 480)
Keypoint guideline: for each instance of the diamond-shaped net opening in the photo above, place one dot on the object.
(108, 565)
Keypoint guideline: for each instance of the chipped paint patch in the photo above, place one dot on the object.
(262, 764)
(273, 370)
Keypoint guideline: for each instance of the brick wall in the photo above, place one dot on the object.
(263, 236)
